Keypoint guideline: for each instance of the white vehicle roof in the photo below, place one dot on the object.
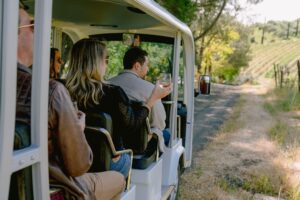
(89, 17)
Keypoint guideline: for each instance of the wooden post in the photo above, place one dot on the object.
(263, 35)
(298, 64)
(275, 74)
(288, 31)
(297, 28)
(287, 75)
(281, 76)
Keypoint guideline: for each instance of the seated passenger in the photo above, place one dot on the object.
(69, 153)
(86, 86)
(55, 63)
(131, 80)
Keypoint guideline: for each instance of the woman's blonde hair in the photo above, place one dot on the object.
(84, 80)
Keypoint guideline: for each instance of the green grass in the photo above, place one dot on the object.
(288, 99)
(255, 184)
(285, 100)
(198, 172)
(259, 184)
(293, 194)
(231, 124)
(279, 132)
(270, 108)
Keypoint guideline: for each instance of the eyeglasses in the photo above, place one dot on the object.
(28, 25)
(31, 25)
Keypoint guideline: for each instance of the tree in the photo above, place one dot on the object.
(185, 10)
(204, 16)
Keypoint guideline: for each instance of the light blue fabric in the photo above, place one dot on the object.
(122, 165)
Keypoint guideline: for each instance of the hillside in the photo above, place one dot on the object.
(263, 57)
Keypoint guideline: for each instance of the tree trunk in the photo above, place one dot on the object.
(201, 51)
(213, 22)
(298, 64)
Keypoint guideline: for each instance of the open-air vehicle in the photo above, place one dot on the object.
(112, 20)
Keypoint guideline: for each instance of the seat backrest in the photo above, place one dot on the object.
(145, 153)
(100, 119)
(138, 140)
(102, 152)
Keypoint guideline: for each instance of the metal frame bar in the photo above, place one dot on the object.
(189, 60)
(174, 94)
(9, 34)
(39, 96)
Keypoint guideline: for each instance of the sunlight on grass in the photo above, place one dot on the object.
(198, 172)
(270, 108)
(255, 184)
(283, 100)
(279, 132)
(259, 184)
(231, 124)
(294, 194)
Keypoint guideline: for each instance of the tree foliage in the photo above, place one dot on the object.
(159, 55)
(185, 10)
(276, 30)
(225, 50)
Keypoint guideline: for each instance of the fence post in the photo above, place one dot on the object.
(288, 31)
(298, 64)
(287, 73)
(275, 74)
(281, 76)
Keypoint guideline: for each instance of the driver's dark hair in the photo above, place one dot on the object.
(133, 55)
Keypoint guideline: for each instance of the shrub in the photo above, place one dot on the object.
(226, 74)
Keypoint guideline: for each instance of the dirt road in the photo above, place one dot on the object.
(210, 113)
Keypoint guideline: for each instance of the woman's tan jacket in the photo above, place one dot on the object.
(70, 156)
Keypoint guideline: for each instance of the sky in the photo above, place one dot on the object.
(287, 10)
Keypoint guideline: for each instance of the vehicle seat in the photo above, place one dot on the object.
(138, 140)
(143, 154)
(98, 142)
(101, 143)
(150, 155)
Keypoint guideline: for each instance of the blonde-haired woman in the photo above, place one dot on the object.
(86, 85)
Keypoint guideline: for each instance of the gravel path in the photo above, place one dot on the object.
(210, 113)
